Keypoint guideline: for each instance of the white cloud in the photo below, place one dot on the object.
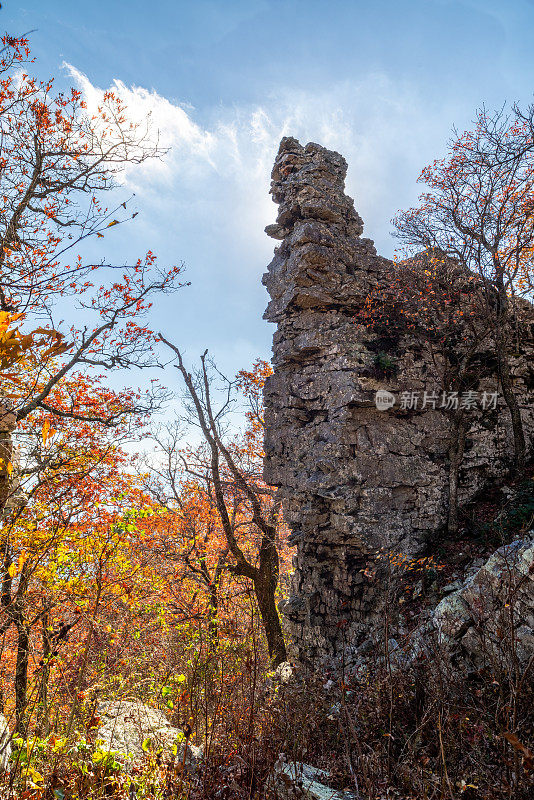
(207, 201)
(222, 169)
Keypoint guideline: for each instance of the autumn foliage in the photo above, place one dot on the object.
(136, 560)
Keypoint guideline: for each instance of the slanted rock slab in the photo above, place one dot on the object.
(299, 780)
(491, 605)
(5, 743)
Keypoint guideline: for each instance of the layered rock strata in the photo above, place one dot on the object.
(358, 483)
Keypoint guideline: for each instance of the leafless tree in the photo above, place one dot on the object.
(234, 488)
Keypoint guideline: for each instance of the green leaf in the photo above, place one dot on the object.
(146, 745)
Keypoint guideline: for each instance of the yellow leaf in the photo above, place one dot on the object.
(47, 432)
(12, 571)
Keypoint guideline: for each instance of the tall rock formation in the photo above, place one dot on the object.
(358, 483)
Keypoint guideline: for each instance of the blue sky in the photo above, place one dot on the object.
(382, 81)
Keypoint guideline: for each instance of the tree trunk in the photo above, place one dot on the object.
(44, 726)
(456, 454)
(213, 620)
(7, 426)
(264, 588)
(504, 319)
(515, 414)
(21, 675)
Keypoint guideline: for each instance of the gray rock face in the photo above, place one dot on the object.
(5, 743)
(127, 724)
(492, 614)
(354, 479)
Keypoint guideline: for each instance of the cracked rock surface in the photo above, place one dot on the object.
(354, 480)
(491, 606)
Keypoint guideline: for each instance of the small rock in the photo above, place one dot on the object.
(276, 231)
(334, 712)
(299, 780)
(283, 673)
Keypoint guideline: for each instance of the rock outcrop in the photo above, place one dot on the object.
(490, 617)
(127, 724)
(356, 480)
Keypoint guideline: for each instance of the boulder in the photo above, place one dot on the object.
(284, 673)
(452, 616)
(128, 724)
(5, 743)
(299, 780)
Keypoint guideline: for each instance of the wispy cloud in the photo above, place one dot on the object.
(207, 201)
(383, 129)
